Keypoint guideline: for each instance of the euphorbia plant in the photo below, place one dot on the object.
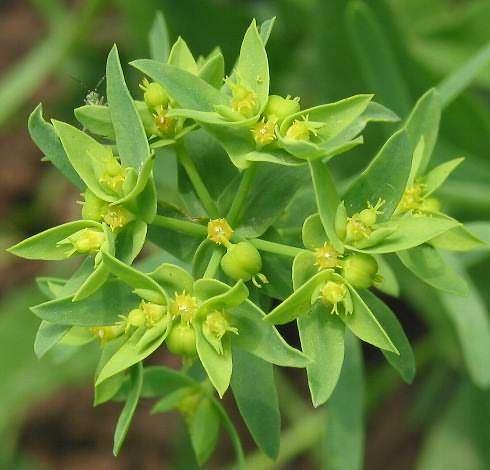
(219, 174)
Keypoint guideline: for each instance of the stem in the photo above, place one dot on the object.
(182, 226)
(234, 214)
(196, 180)
(276, 248)
(213, 264)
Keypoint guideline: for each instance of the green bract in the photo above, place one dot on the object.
(242, 244)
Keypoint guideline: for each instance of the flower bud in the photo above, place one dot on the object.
(153, 313)
(264, 133)
(333, 293)
(155, 95)
(117, 217)
(430, 204)
(107, 333)
(243, 100)
(412, 198)
(241, 261)
(184, 306)
(369, 216)
(85, 241)
(215, 327)
(136, 318)
(182, 340)
(219, 231)
(360, 270)
(356, 230)
(279, 108)
(165, 125)
(326, 257)
(298, 130)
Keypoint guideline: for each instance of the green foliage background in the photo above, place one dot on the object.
(322, 51)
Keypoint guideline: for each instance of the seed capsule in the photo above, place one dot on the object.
(360, 270)
(155, 95)
(215, 327)
(182, 340)
(241, 261)
(334, 292)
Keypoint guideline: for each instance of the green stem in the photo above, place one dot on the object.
(196, 180)
(235, 213)
(276, 248)
(182, 226)
(213, 264)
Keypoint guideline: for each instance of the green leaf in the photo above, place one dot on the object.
(180, 56)
(50, 286)
(299, 302)
(376, 57)
(313, 233)
(471, 322)
(161, 380)
(172, 279)
(95, 118)
(130, 241)
(204, 430)
(213, 70)
(188, 90)
(265, 29)
(344, 439)
(322, 340)
(131, 276)
(93, 282)
(158, 39)
(411, 231)
(389, 283)
(457, 238)
(171, 400)
(139, 345)
(303, 268)
(102, 308)
(132, 145)
(423, 123)
(44, 246)
(44, 136)
(229, 298)
(217, 366)
(253, 66)
(255, 393)
(436, 177)
(47, 336)
(385, 178)
(404, 362)
(127, 413)
(108, 389)
(261, 339)
(456, 82)
(327, 200)
(363, 323)
(85, 155)
(428, 265)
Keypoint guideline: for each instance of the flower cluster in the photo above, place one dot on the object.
(229, 267)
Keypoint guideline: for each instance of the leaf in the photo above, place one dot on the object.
(327, 200)
(95, 118)
(313, 233)
(43, 246)
(299, 302)
(102, 308)
(131, 276)
(457, 238)
(265, 29)
(303, 268)
(138, 346)
(229, 298)
(180, 56)
(252, 66)
(436, 177)
(376, 57)
(404, 362)
(50, 286)
(217, 366)
(127, 413)
(187, 89)
(204, 430)
(172, 279)
(158, 38)
(423, 122)
(213, 70)
(322, 340)
(261, 339)
(471, 322)
(171, 400)
(93, 282)
(44, 136)
(255, 393)
(160, 380)
(132, 145)
(412, 231)
(84, 154)
(428, 265)
(389, 283)
(363, 323)
(130, 241)
(385, 178)
(344, 439)
(47, 336)
(456, 82)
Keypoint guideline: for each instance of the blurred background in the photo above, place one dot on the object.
(54, 51)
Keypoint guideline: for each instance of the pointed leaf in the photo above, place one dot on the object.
(158, 39)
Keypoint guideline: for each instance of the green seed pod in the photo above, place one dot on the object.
(279, 108)
(182, 340)
(241, 261)
(360, 270)
(155, 95)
